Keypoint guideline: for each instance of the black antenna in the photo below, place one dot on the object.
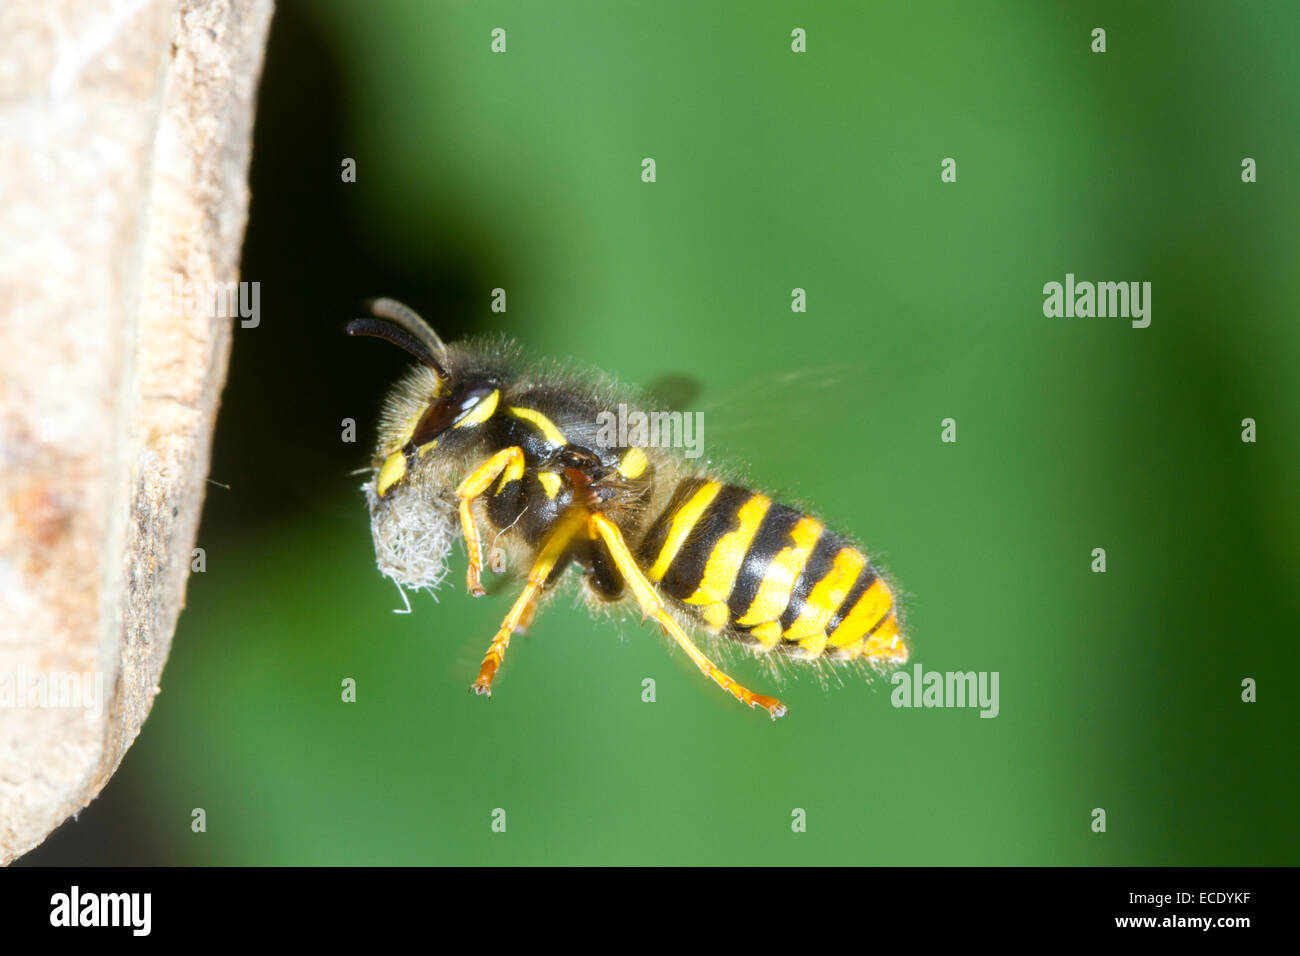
(379, 329)
(403, 327)
(409, 319)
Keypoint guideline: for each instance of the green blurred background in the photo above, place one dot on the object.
(775, 170)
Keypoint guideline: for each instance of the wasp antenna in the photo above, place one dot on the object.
(401, 314)
(402, 338)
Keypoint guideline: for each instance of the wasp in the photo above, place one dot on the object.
(474, 438)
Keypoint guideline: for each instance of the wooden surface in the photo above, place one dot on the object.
(125, 132)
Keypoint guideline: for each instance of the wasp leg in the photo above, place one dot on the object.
(478, 481)
(652, 606)
(526, 604)
(526, 618)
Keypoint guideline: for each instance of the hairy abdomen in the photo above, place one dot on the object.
(769, 575)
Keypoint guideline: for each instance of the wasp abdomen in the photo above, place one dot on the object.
(769, 575)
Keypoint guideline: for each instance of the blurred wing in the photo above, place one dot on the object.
(674, 393)
(772, 404)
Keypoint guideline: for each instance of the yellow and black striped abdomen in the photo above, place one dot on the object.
(769, 575)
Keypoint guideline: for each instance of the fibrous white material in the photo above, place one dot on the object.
(413, 532)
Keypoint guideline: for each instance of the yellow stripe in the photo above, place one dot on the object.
(778, 581)
(813, 645)
(852, 651)
(871, 607)
(826, 597)
(481, 412)
(683, 521)
(716, 616)
(633, 463)
(886, 645)
(550, 483)
(393, 471)
(729, 554)
(544, 424)
(767, 633)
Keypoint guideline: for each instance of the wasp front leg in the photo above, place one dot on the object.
(526, 604)
(509, 461)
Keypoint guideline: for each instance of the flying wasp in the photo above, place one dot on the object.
(473, 437)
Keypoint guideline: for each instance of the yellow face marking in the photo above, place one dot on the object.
(514, 471)
(544, 424)
(683, 521)
(633, 463)
(393, 471)
(729, 554)
(550, 483)
(481, 412)
(428, 447)
(826, 597)
(886, 645)
(871, 607)
(768, 634)
(409, 429)
(778, 583)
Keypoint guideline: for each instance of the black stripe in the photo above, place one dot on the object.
(820, 562)
(721, 517)
(773, 537)
(604, 576)
(866, 577)
(539, 512)
(654, 539)
(504, 506)
(875, 627)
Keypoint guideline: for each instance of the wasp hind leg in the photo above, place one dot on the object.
(652, 606)
(508, 460)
